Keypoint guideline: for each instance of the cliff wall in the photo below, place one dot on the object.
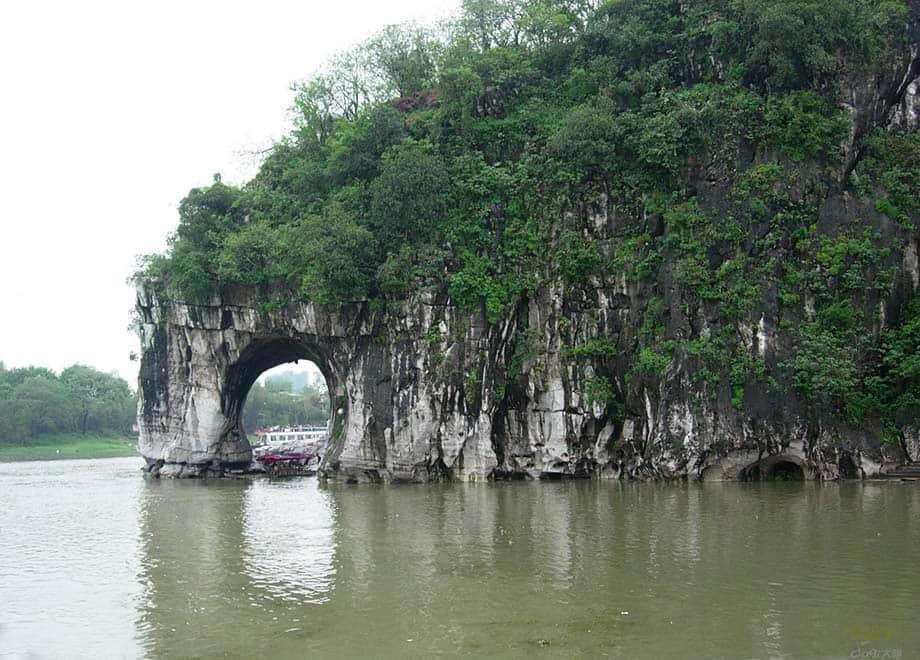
(425, 390)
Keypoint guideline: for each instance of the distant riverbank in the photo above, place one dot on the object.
(69, 446)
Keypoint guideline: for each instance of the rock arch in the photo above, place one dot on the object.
(198, 362)
(846, 467)
(791, 463)
(264, 353)
(778, 467)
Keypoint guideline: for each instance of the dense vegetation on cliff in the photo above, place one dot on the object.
(36, 403)
(685, 149)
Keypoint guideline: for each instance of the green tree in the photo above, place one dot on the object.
(409, 198)
(100, 401)
(314, 109)
(406, 55)
(40, 405)
(250, 255)
(333, 255)
(586, 141)
(547, 22)
(794, 44)
(358, 146)
(898, 389)
(206, 216)
(484, 24)
(353, 82)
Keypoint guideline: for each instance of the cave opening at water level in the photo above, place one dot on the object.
(773, 470)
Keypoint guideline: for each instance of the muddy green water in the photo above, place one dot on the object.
(95, 561)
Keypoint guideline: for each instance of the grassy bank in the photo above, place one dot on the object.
(69, 446)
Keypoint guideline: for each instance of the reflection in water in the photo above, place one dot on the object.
(227, 558)
(191, 534)
(503, 569)
(288, 540)
(292, 568)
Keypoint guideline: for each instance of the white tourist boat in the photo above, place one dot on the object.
(291, 434)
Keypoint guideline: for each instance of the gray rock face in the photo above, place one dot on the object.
(396, 414)
(424, 390)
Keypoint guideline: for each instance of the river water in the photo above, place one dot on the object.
(96, 561)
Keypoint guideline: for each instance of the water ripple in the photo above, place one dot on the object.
(96, 561)
(289, 540)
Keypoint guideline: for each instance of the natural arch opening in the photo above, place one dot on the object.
(785, 471)
(846, 467)
(293, 394)
(279, 396)
(773, 469)
(286, 419)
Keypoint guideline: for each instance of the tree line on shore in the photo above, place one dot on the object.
(36, 403)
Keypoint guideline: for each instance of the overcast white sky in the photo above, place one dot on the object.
(110, 111)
